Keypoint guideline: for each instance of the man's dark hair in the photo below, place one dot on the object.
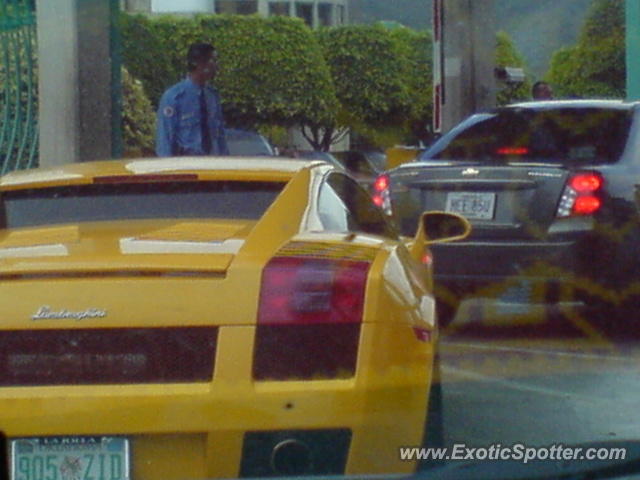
(197, 53)
(536, 87)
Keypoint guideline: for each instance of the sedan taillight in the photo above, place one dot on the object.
(581, 195)
(309, 318)
(381, 195)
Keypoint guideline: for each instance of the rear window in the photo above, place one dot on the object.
(568, 136)
(105, 202)
(358, 164)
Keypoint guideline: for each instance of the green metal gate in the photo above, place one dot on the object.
(18, 85)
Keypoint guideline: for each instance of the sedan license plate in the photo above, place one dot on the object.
(473, 205)
(70, 458)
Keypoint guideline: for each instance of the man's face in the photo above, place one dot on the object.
(208, 67)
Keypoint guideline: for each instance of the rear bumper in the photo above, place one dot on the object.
(229, 427)
(236, 435)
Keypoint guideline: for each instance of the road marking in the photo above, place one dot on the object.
(535, 351)
(517, 385)
(512, 384)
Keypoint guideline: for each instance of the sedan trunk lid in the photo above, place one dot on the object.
(500, 200)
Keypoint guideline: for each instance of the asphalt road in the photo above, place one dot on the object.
(538, 380)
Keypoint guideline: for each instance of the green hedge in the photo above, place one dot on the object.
(138, 118)
(271, 70)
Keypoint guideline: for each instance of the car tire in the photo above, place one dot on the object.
(434, 426)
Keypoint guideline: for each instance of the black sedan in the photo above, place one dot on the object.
(549, 189)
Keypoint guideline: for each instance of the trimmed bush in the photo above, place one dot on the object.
(138, 118)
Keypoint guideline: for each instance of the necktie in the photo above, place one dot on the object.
(204, 124)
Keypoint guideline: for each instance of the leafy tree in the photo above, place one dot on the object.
(370, 67)
(417, 48)
(595, 66)
(272, 70)
(507, 55)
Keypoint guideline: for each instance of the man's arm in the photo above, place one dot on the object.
(166, 125)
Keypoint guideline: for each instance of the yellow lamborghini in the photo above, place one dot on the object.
(206, 317)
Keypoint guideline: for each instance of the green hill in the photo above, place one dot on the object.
(538, 27)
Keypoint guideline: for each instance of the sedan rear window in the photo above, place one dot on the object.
(244, 143)
(126, 201)
(569, 136)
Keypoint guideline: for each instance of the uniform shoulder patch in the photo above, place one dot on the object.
(168, 111)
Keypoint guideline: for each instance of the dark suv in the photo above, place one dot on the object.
(549, 189)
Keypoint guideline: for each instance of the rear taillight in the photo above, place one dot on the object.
(581, 195)
(586, 182)
(427, 259)
(381, 195)
(512, 151)
(382, 183)
(309, 318)
(587, 205)
(298, 290)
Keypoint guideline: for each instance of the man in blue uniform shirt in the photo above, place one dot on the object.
(189, 120)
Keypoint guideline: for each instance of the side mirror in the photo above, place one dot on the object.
(438, 227)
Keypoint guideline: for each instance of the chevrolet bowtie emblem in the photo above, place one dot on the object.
(470, 171)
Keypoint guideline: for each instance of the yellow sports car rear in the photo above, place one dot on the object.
(192, 318)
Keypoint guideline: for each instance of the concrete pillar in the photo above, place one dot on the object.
(316, 15)
(469, 59)
(75, 78)
(143, 6)
(632, 9)
(263, 8)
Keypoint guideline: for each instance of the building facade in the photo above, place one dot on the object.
(316, 13)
